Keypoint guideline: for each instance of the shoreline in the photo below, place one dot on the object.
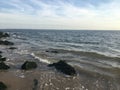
(46, 78)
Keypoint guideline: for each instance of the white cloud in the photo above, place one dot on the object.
(62, 15)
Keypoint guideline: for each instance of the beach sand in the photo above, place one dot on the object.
(46, 78)
(53, 80)
(38, 80)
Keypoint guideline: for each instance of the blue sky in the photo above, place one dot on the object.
(60, 14)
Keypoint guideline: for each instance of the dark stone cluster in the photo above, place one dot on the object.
(2, 86)
(52, 51)
(63, 67)
(5, 42)
(29, 65)
(4, 35)
(3, 66)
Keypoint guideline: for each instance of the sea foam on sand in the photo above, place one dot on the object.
(40, 59)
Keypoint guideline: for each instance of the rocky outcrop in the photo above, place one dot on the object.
(6, 42)
(2, 59)
(0, 52)
(2, 35)
(29, 65)
(0, 56)
(2, 86)
(63, 67)
(12, 48)
(52, 51)
(3, 66)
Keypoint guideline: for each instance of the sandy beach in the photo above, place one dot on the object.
(46, 80)
(53, 80)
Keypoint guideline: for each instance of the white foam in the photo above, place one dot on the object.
(67, 88)
(113, 64)
(22, 76)
(40, 59)
(23, 52)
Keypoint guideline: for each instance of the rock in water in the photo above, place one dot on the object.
(3, 66)
(63, 67)
(2, 59)
(0, 56)
(2, 86)
(6, 35)
(52, 51)
(12, 48)
(0, 52)
(29, 65)
(2, 34)
(6, 43)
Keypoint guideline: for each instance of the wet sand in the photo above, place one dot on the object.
(46, 80)
(53, 80)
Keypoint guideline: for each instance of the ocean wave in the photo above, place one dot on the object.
(23, 52)
(113, 64)
(40, 59)
(96, 43)
(19, 37)
(92, 54)
(115, 50)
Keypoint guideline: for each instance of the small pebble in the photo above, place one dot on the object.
(83, 87)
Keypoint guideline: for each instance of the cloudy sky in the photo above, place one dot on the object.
(60, 14)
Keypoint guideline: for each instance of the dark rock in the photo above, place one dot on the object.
(2, 34)
(52, 51)
(12, 48)
(2, 59)
(0, 56)
(63, 67)
(47, 51)
(2, 86)
(6, 43)
(29, 65)
(6, 35)
(3, 66)
(0, 52)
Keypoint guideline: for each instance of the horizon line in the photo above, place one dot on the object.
(61, 29)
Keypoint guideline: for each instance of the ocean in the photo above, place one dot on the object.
(94, 52)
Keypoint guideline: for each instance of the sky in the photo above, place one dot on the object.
(60, 14)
